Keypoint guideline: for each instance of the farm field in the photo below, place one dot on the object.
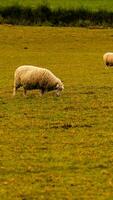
(57, 147)
(93, 5)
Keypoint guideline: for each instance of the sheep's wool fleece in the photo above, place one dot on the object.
(108, 58)
(28, 74)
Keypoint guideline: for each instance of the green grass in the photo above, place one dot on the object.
(93, 5)
(57, 13)
(50, 147)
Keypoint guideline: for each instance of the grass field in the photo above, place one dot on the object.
(93, 5)
(57, 147)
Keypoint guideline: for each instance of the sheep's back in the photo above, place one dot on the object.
(108, 57)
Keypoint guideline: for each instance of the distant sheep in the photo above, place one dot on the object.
(31, 77)
(108, 59)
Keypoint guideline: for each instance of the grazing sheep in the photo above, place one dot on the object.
(31, 77)
(108, 59)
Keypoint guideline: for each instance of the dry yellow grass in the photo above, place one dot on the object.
(57, 148)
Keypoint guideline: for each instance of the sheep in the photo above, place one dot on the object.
(108, 59)
(32, 77)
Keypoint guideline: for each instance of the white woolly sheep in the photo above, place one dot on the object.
(31, 77)
(108, 59)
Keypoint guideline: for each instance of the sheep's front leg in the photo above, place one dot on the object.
(57, 93)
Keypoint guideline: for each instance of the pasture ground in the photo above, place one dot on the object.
(50, 147)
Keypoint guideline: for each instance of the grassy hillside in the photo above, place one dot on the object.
(93, 5)
(50, 147)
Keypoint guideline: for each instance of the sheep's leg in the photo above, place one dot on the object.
(57, 93)
(42, 91)
(24, 91)
(15, 89)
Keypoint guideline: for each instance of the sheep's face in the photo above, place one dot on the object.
(60, 86)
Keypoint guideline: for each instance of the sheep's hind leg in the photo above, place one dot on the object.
(15, 89)
(24, 91)
(42, 91)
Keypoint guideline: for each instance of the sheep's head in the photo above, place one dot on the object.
(59, 87)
